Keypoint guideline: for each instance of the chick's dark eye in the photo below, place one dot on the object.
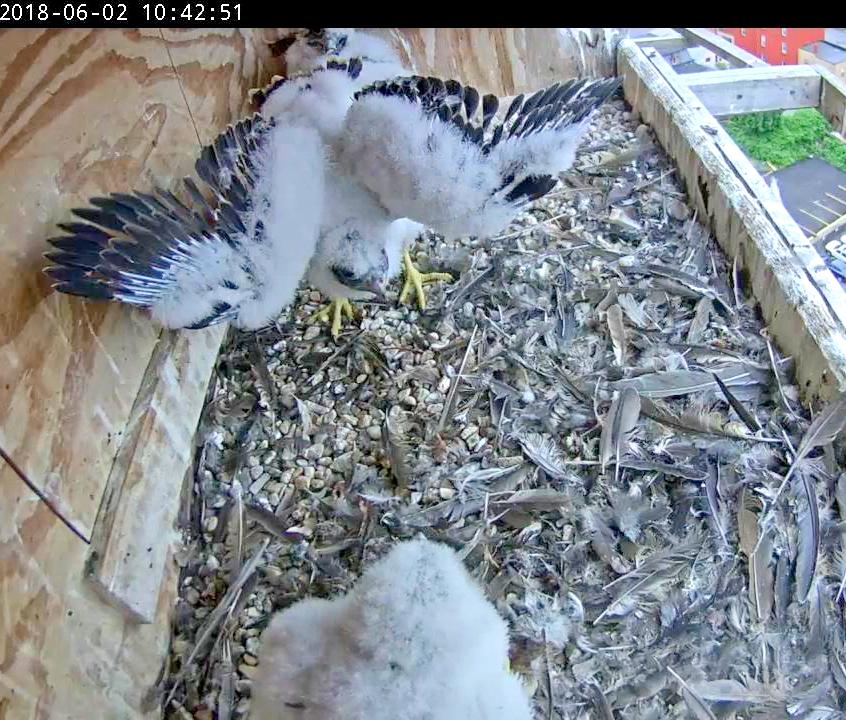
(344, 275)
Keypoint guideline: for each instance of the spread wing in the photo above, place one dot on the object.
(205, 259)
(434, 151)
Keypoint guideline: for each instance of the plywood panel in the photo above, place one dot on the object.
(81, 112)
(84, 112)
(216, 68)
(64, 654)
(507, 61)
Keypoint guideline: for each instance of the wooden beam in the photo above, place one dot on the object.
(800, 298)
(722, 48)
(756, 89)
(136, 523)
(833, 99)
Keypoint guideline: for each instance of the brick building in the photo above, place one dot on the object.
(777, 46)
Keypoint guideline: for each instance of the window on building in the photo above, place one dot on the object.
(742, 32)
(784, 32)
(784, 48)
(763, 40)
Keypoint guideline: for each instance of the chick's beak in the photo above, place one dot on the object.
(376, 288)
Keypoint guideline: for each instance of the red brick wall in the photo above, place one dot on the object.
(766, 43)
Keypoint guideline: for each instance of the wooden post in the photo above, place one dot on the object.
(801, 300)
(756, 89)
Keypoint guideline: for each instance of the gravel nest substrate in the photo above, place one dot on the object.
(647, 553)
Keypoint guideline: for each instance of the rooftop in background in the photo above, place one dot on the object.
(643, 32)
(828, 51)
(691, 66)
(836, 36)
(814, 193)
(692, 60)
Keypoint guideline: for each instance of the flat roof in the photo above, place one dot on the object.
(691, 66)
(827, 51)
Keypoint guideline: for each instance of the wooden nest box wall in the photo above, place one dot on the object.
(98, 407)
(803, 304)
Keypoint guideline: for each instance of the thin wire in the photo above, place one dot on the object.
(181, 89)
(49, 503)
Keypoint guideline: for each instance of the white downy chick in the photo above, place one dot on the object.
(238, 258)
(356, 233)
(357, 251)
(428, 153)
(319, 99)
(414, 640)
(347, 263)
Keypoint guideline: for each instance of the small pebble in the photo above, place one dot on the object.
(248, 671)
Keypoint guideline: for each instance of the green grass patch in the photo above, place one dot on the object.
(782, 139)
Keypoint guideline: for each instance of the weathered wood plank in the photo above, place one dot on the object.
(723, 48)
(136, 525)
(747, 220)
(754, 89)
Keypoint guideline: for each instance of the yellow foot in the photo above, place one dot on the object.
(336, 308)
(415, 280)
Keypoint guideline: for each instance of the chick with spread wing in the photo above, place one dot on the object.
(433, 152)
(235, 250)
(332, 181)
(417, 152)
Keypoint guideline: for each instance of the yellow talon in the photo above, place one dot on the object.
(336, 308)
(414, 280)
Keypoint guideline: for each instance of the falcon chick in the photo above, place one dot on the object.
(239, 247)
(370, 60)
(415, 639)
(432, 152)
(418, 152)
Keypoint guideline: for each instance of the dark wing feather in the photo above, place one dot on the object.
(556, 107)
(533, 142)
(130, 244)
